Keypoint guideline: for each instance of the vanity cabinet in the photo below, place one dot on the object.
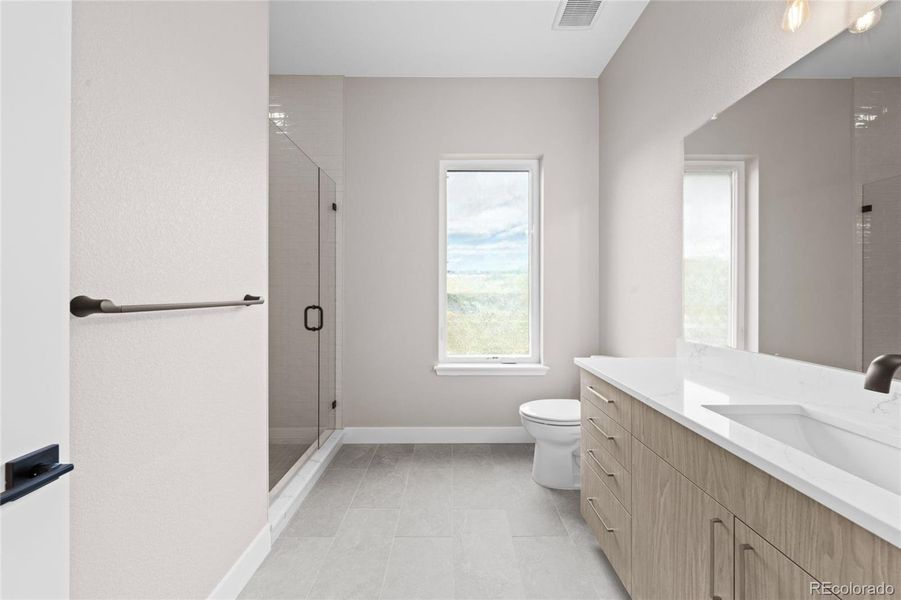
(679, 517)
(682, 539)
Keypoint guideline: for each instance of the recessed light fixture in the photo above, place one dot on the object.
(866, 22)
(796, 14)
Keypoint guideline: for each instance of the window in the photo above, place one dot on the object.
(489, 277)
(713, 268)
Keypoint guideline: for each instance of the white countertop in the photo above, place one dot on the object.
(680, 387)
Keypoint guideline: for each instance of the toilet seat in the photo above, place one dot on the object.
(556, 412)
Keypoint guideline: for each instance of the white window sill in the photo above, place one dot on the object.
(490, 369)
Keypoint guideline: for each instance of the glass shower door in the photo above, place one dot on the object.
(293, 285)
(327, 300)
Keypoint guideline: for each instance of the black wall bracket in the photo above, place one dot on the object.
(32, 471)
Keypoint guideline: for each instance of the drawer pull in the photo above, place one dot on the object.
(598, 463)
(598, 515)
(713, 523)
(603, 433)
(740, 584)
(599, 395)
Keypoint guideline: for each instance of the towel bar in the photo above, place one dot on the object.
(83, 306)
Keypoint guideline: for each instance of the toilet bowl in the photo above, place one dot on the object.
(555, 425)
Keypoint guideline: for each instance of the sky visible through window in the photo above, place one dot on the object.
(487, 263)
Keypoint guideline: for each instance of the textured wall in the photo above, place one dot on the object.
(169, 148)
(396, 131)
(681, 63)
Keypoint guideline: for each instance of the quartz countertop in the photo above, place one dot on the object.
(680, 388)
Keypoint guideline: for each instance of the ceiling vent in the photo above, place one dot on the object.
(577, 14)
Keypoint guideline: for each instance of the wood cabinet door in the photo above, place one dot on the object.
(682, 539)
(764, 573)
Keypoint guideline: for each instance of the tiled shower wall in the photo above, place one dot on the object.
(876, 163)
(309, 110)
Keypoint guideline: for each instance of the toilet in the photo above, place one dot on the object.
(555, 426)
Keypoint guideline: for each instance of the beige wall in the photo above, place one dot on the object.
(169, 149)
(681, 63)
(396, 131)
(799, 130)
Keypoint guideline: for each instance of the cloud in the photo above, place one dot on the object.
(487, 221)
(487, 203)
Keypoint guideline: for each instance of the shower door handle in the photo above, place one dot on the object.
(306, 317)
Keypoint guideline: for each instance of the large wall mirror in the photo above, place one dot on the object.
(792, 208)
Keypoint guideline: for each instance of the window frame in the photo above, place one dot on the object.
(738, 272)
(513, 363)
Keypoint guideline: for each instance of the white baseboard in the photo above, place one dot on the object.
(286, 502)
(436, 435)
(244, 568)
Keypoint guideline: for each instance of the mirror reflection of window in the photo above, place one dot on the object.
(713, 254)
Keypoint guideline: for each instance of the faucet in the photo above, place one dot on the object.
(880, 372)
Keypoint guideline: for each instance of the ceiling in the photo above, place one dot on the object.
(441, 38)
(874, 53)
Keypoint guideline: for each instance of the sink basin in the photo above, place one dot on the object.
(876, 459)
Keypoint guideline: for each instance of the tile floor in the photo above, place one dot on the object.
(435, 521)
(281, 458)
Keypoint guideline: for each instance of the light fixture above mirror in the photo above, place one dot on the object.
(796, 14)
(866, 22)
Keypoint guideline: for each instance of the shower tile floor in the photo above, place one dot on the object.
(435, 521)
(281, 458)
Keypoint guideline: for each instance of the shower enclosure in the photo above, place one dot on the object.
(881, 275)
(302, 340)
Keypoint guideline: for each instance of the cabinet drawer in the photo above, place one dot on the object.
(614, 402)
(610, 522)
(613, 474)
(762, 572)
(607, 433)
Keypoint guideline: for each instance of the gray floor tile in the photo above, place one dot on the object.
(433, 456)
(289, 570)
(381, 488)
(322, 510)
(357, 559)
(550, 568)
(425, 521)
(420, 568)
(478, 487)
(426, 508)
(368, 522)
(353, 571)
(485, 566)
(393, 456)
(530, 519)
(466, 527)
(353, 456)
(488, 521)
(428, 486)
(471, 455)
